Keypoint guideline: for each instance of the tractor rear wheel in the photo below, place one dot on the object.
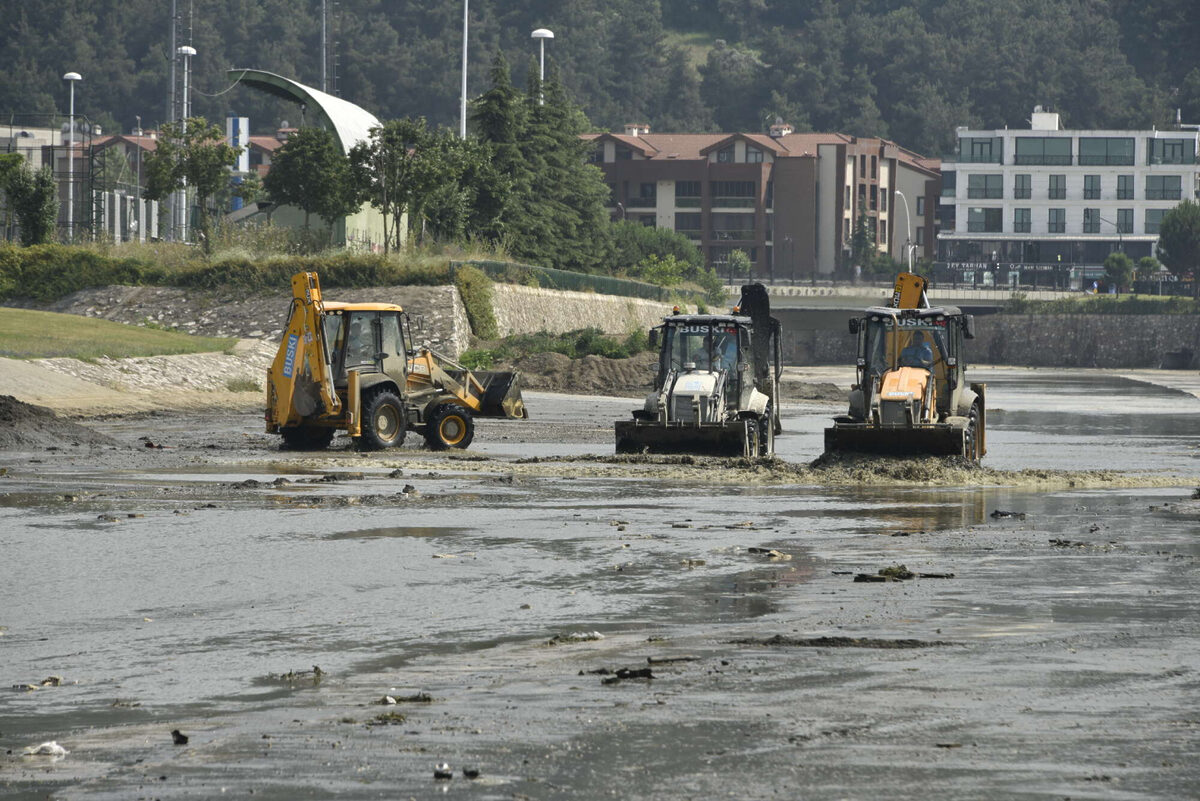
(306, 438)
(383, 422)
(449, 426)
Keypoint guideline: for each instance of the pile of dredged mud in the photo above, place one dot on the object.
(23, 425)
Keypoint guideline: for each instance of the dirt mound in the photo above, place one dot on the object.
(591, 375)
(23, 425)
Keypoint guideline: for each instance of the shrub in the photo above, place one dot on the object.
(475, 289)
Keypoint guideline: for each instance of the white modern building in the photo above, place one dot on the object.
(1054, 202)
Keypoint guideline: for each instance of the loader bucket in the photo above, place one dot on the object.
(941, 440)
(502, 395)
(731, 439)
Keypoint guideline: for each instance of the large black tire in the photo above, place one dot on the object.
(449, 426)
(306, 438)
(383, 422)
(766, 432)
(971, 441)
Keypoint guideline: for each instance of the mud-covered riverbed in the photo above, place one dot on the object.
(572, 625)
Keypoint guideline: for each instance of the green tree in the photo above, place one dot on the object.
(862, 243)
(192, 154)
(311, 172)
(1147, 267)
(739, 265)
(1179, 240)
(633, 243)
(33, 196)
(1118, 270)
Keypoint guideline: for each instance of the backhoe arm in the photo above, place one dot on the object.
(303, 346)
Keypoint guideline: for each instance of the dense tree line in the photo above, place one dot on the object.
(911, 70)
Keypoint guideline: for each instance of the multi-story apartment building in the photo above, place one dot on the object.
(789, 201)
(1058, 202)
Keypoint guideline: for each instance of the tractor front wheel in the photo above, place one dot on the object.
(971, 443)
(306, 438)
(449, 426)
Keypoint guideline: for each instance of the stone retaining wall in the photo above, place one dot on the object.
(525, 310)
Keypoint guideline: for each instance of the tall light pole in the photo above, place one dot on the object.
(187, 51)
(908, 248)
(542, 34)
(462, 109)
(137, 190)
(71, 78)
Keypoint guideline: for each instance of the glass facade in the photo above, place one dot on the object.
(985, 186)
(1022, 221)
(1057, 187)
(1111, 151)
(1056, 221)
(1164, 187)
(1042, 150)
(1023, 186)
(1091, 187)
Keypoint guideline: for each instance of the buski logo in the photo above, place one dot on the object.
(289, 358)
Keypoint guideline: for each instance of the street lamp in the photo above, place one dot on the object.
(462, 110)
(187, 51)
(137, 190)
(71, 78)
(908, 248)
(542, 34)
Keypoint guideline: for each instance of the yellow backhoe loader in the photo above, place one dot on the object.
(352, 367)
(911, 395)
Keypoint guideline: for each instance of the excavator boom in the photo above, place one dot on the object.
(300, 376)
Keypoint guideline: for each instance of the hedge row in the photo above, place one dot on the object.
(45, 273)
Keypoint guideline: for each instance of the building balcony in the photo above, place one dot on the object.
(741, 235)
(1042, 160)
(641, 203)
(733, 203)
(1105, 161)
(687, 202)
(972, 159)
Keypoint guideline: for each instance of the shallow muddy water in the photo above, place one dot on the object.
(1051, 652)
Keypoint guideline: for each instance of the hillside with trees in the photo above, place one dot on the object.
(910, 71)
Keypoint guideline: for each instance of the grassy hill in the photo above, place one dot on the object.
(26, 334)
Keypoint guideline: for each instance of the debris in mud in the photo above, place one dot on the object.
(333, 478)
(442, 770)
(23, 425)
(620, 674)
(151, 444)
(692, 563)
(390, 718)
(296, 676)
(841, 642)
(574, 637)
(770, 553)
(1001, 514)
(397, 473)
(49, 681)
(897, 573)
(1060, 543)
(470, 773)
(670, 660)
(415, 698)
(50, 748)
(178, 737)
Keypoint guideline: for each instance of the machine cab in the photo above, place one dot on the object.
(369, 338)
(714, 344)
(910, 354)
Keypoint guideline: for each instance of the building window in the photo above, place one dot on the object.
(688, 223)
(647, 196)
(921, 206)
(978, 150)
(1172, 151)
(1023, 186)
(754, 155)
(725, 155)
(920, 236)
(862, 166)
(985, 186)
(1057, 221)
(1124, 187)
(874, 197)
(647, 220)
(1154, 220)
(732, 226)
(1110, 151)
(624, 154)
(687, 194)
(770, 194)
(847, 197)
(1022, 221)
(1058, 187)
(1124, 221)
(874, 167)
(883, 199)
(738, 194)
(1042, 150)
(949, 183)
(1091, 221)
(980, 221)
(1091, 187)
(883, 234)
(1164, 187)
